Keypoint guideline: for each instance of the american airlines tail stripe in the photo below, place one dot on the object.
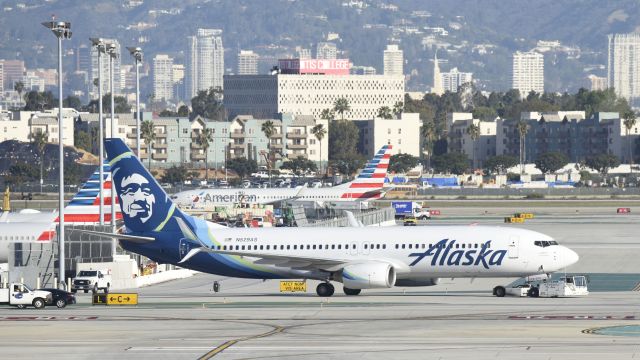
(366, 185)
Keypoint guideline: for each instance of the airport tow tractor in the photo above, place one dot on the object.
(567, 286)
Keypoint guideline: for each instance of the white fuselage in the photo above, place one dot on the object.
(24, 228)
(464, 251)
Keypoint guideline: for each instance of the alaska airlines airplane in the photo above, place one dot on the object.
(367, 186)
(358, 257)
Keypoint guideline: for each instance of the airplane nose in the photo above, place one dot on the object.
(570, 257)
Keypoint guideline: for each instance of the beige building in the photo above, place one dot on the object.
(460, 140)
(597, 82)
(19, 125)
(265, 96)
(393, 61)
(163, 77)
(247, 63)
(624, 65)
(528, 72)
(402, 133)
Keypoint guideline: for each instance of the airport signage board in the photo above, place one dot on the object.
(115, 299)
(293, 286)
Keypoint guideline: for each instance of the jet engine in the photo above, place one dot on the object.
(417, 282)
(368, 275)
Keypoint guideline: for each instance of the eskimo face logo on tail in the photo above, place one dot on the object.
(136, 197)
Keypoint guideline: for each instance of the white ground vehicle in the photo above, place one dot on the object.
(565, 287)
(93, 280)
(20, 295)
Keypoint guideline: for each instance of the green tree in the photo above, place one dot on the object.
(523, 129)
(319, 132)
(175, 175)
(204, 139)
(451, 163)
(121, 106)
(348, 164)
(242, 166)
(500, 163)
(269, 129)
(72, 102)
(385, 113)
(299, 165)
(39, 141)
(148, 134)
(208, 104)
(551, 162)
(20, 173)
(38, 101)
(82, 140)
(343, 139)
(401, 163)
(603, 162)
(398, 108)
(328, 114)
(428, 135)
(183, 111)
(473, 131)
(341, 106)
(19, 88)
(629, 122)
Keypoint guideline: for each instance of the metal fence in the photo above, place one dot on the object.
(565, 192)
(367, 217)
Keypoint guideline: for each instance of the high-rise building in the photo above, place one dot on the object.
(453, 79)
(247, 63)
(393, 60)
(104, 72)
(597, 82)
(624, 65)
(303, 53)
(204, 61)
(83, 58)
(528, 72)
(1, 76)
(326, 50)
(178, 82)
(437, 89)
(163, 77)
(14, 71)
(362, 70)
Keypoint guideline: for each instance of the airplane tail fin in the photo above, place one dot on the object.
(144, 204)
(370, 181)
(84, 207)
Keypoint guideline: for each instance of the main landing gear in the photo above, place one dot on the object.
(351, 292)
(325, 289)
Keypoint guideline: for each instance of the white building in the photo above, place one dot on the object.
(624, 65)
(247, 63)
(402, 133)
(437, 89)
(204, 61)
(303, 53)
(528, 72)
(163, 77)
(393, 61)
(326, 50)
(453, 79)
(264, 96)
(104, 71)
(460, 139)
(19, 125)
(597, 82)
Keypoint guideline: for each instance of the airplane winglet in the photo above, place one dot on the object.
(186, 231)
(353, 222)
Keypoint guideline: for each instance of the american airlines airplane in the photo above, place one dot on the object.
(358, 257)
(83, 209)
(367, 186)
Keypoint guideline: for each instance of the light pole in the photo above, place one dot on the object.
(100, 47)
(136, 52)
(62, 30)
(113, 54)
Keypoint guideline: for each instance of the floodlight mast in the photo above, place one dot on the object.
(62, 30)
(99, 44)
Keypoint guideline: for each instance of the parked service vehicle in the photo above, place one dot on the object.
(60, 298)
(21, 295)
(93, 280)
(410, 208)
(568, 286)
(410, 221)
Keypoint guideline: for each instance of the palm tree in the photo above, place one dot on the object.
(523, 129)
(149, 136)
(629, 123)
(473, 131)
(319, 132)
(385, 113)
(19, 88)
(341, 106)
(203, 139)
(39, 140)
(398, 108)
(428, 134)
(327, 114)
(269, 129)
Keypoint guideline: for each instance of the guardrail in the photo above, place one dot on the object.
(367, 217)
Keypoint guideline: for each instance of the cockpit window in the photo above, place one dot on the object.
(545, 243)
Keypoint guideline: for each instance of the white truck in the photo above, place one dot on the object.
(20, 295)
(93, 280)
(410, 208)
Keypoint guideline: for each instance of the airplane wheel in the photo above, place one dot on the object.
(499, 291)
(534, 292)
(350, 292)
(325, 289)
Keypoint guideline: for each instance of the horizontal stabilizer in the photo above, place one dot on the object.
(132, 238)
